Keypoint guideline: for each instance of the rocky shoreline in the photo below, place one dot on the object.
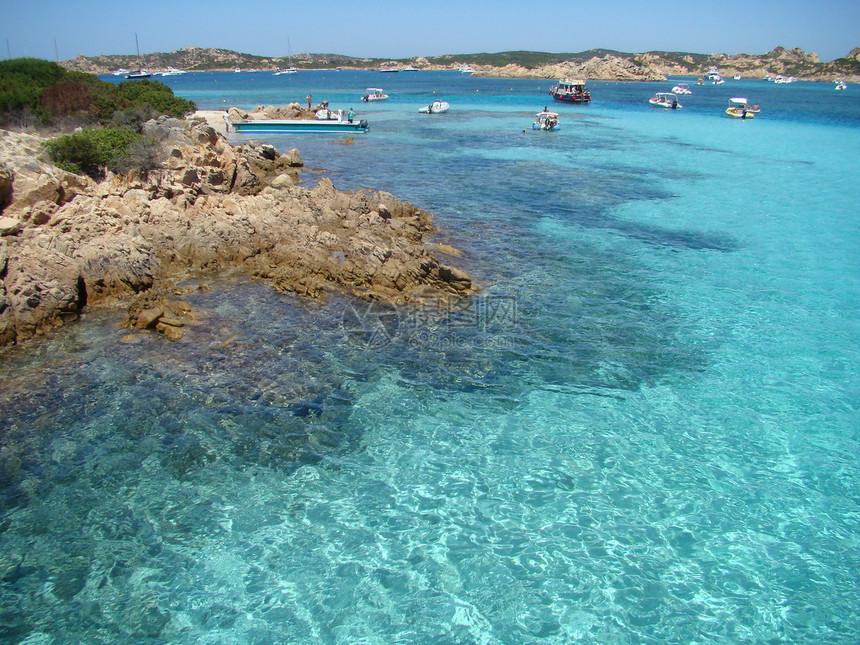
(68, 242)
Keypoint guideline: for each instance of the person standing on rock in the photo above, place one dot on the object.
(309, 101)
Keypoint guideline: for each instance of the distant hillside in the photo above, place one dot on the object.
(592, 64)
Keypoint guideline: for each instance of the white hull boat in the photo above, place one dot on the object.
(436, 107)
(546, 121)
(374, 94)
(665, 100)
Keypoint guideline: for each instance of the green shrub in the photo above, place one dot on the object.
(154, 95)
(30, 85)
(144, 155)
(41, 72)
(90, 152)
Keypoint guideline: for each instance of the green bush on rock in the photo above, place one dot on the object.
(90, 152)
(51, 93)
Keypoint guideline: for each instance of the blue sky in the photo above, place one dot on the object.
(385, 28)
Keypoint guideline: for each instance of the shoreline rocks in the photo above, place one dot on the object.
(69, 242)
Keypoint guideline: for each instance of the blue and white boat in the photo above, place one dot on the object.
(546, 121)
(317, 126)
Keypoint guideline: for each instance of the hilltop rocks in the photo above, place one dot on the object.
(69, 242)
(606, 68)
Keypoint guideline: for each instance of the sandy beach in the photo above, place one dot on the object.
(213, 118)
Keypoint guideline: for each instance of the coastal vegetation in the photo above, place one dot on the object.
(91, 152)
(37, 92)
(108, 117)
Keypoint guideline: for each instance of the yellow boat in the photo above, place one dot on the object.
(739, 108)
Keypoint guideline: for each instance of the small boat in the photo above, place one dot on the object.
(840, 84)
(122, 71)
(172, 71)
(737, 77)
(665, 100)
(681, 88)
(410, 69)
(700, 81)
(781, 80)
(139, 73)
(317, 126)
(289, 69)
(570, 91)
(739, 108)
(436, 107)
(237, 70)
(546, 121)
(374, 94)
(389, 70)
(466, 69)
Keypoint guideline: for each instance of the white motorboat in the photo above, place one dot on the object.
(172, 71)
(665, 100)
(122, 71)
(713, 76)
(436, 107)
(374, 94)
(466, 69)
(681, 88)
(546, 121)
(840, 84)
(782, 80)
(737, 77)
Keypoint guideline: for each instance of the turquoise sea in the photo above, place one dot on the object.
(644, 429)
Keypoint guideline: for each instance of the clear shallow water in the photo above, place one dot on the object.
(643, 431)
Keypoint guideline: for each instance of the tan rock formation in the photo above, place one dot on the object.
(71, 242)
(607, 68)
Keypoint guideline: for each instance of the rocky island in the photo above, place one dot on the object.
(67, 241)
(595, 64)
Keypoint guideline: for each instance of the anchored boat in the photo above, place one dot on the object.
(327, 125)
(546, 121)
(665, 100)
(570, 91)
(739, 108)
(436, 107)
(374, 94)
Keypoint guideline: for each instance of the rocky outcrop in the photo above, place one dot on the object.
(606, 68)
(71, 242)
